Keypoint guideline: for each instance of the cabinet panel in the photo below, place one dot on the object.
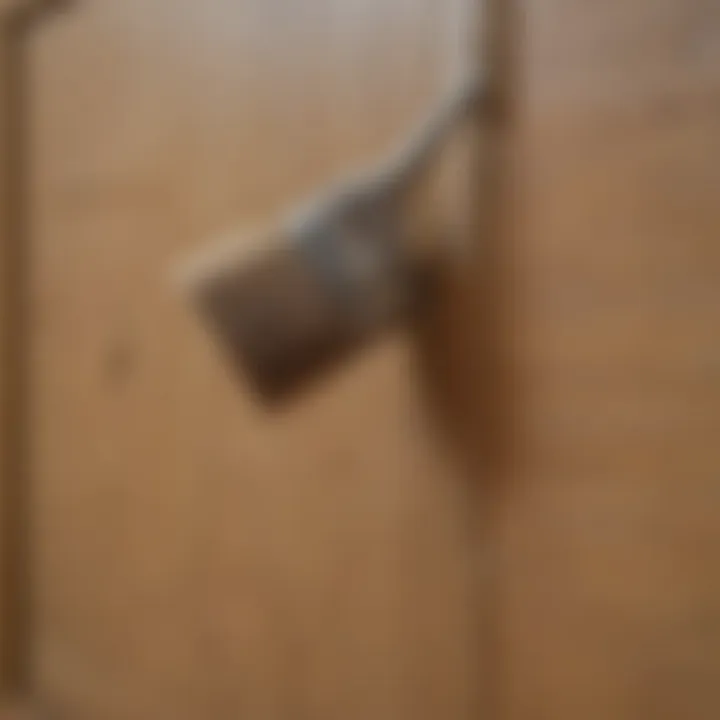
(198, 556)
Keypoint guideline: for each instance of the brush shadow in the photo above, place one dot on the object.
(465, 328)
(464, 345)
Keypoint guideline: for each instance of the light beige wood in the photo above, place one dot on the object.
(610, 592)
(198, 557)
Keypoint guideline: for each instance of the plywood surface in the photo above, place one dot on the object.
(3, 345)
(612, 595)
(197, 557)
(13, 377)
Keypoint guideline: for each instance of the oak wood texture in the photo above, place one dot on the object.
(200, 558)
(3, 354)
(18, 20)
(197, 557)
(9, 7)
(13, 640)
(611, 594)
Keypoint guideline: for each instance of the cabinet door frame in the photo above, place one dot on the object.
(14, 582)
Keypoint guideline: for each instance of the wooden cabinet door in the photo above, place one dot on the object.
(611, 590)
(197, 556)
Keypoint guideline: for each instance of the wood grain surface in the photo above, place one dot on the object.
(611, 589)
(14, 380)
(197, 557)
(4, 334)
